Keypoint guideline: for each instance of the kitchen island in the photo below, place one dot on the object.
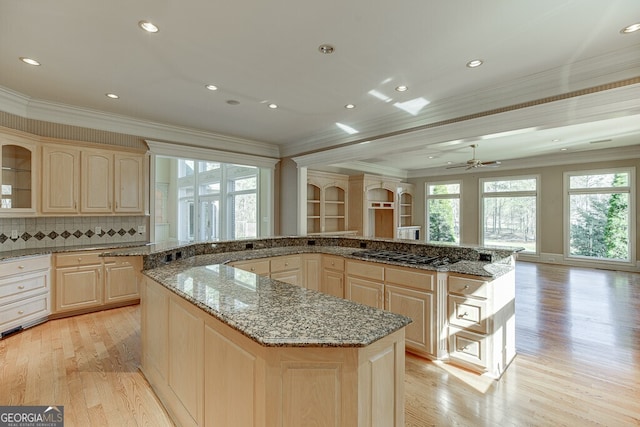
(223, 346)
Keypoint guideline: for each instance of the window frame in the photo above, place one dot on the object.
(630, 190)
(428, 197)
(520, 193)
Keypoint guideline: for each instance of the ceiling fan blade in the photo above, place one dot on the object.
(494, 163)
(458, 166)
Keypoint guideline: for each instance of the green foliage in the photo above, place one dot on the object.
(441, 218)
(616, 230)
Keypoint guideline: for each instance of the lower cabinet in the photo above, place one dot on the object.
(365, 283)
(208, 374)
(332, 276)
(417, 305)
(85, 281)
(287, 269)
(25, 298)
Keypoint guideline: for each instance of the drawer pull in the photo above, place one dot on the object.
(79, 259)
(465, 314)
(286, 264)
(21, 312)
(21, 267)
(466, 286)
(332, 263)
(252, 269)
(21, 287)
(466, 347)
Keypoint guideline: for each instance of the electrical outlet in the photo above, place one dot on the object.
(98, 230)
(142, 229)
(14, 234)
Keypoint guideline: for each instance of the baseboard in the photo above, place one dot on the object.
(551, 258)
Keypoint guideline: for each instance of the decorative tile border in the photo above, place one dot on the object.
(70, 231)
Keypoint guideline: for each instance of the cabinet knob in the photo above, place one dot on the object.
(465, 314)
(463, 348)
(21, 267)
(252, 269)
(286, 264)
(466, 286)
(21, 312)
(79, 259)
(20, 287)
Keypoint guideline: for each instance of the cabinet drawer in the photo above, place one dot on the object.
(365, 269)
(468, 313)
(25, 265)
(23, 311)
(286, 263)
(468, 347)
(257, 267)
(23, 286)
(465, 286)
(78, 258)
(333, 262)
(413, 278)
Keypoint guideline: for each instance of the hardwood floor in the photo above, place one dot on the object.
(578, 363)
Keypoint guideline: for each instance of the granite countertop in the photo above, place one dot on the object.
(274, 313)
(7, 255)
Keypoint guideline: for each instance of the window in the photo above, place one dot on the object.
(443, 212)
(509, 212)
(600, 207)
(214, 200)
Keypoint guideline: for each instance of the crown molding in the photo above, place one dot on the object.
(21, 105)
(349, 168)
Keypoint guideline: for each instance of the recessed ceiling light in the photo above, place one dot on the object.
(631, 28)
(326, 48)
(273, 106)
(350, 106)
(148, 27)
(212, 87)
(111, 95)
(555, 140)
(563, 149)
(29, 61)
(449, 163)
(430, 157)
(401, 88)
(475, 63)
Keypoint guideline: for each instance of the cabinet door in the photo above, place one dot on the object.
(259, 266)
(129, 179)
(97, 182)
(121, 280)
(60, 179)
(78, 287)
(417, 305)
(332, 282)
(311, 271)
(365, 292)
(18, 175)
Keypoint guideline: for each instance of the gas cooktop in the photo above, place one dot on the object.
(403, 257)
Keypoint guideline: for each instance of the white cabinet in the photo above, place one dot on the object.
(25, 297)
(482, 322)
(85, 281)
(19, 175)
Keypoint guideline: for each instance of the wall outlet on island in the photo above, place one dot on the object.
(14, 234)
(98, 230)
(142, 229)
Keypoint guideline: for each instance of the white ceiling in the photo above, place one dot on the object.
(267, 52)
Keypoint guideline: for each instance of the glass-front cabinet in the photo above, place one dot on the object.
(18, 157)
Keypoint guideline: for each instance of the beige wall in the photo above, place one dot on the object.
(551, 200)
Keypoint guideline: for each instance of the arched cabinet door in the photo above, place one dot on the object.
(18, 157)
(60, 179)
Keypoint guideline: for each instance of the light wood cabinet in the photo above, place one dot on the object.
(411, 292)
(25, 298)
(19, 160)
(128, 184)
(287, 269)
(60, 179)
(258, 266)
(332, 279)
(190, 357)
(327, 202)
(482, 322)
(372, 205)
(312, 267)
(365, 283)
(91, 181)
(85, 282)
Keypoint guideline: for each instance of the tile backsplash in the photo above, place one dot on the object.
(45, 232)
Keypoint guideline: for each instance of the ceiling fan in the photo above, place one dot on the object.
(475, 163)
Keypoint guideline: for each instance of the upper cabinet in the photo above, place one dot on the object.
(18, 157)
(326, 202)
(60, 179)
(91, 181)
(372, 205)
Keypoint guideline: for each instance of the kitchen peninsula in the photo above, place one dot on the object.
(265, 352)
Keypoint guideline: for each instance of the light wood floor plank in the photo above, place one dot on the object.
(578, 363)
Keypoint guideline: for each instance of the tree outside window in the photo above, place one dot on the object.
(443, 212)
